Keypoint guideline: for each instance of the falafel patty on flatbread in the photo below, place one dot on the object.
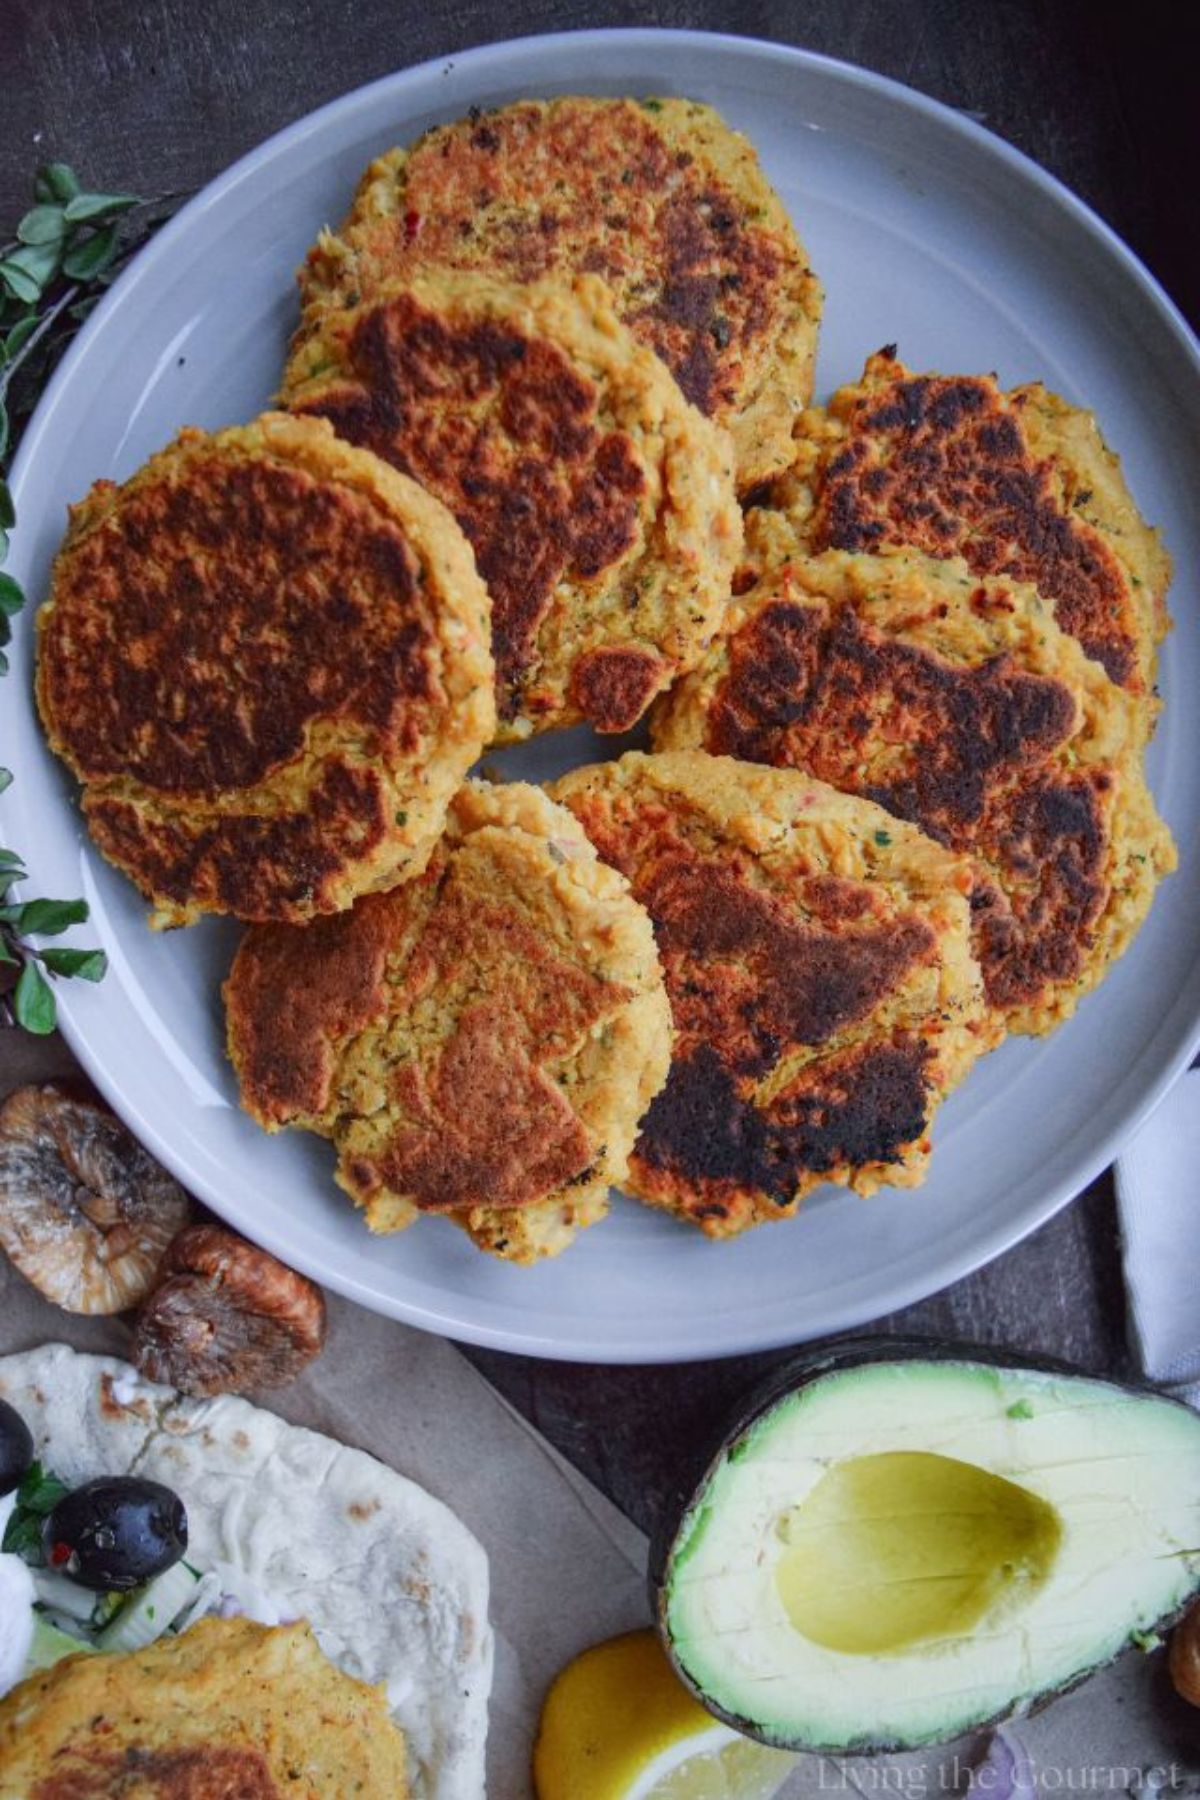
(661, 198)
(392, 1583)
(599, 503)
(266, 657)
(480, 1043)
(229, 1710)
(1019, 484)
(817, 956)
(961, 706)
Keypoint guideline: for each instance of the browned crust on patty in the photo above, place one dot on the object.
(807, 1003)
(475, 1042)
(253, 660)
(959, 706)
(599, 504)
(202, 1773)
(475, 1119)
(502, 427)
(661, 199)
(951, 465)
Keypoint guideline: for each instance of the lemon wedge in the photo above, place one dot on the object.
(618, 1724)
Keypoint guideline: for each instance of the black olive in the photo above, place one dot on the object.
(115, 1533)
(16, 1448)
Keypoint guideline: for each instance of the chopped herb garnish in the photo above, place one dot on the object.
(883, 839)
(38, 1495)
(1020, 1409)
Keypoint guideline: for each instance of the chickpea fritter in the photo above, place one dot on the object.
(961, 706)
(599, 504)
(266, 659)
(1018, 484)
(823, 993)
(480, 1043)
(659, 197)
(227, 1710)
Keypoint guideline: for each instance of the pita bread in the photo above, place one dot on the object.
(394, 1586)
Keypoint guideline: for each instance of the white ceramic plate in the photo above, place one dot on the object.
(926, 231)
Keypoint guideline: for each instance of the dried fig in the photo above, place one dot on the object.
(1183, 1658)
(85, 1212)
(227, 1316)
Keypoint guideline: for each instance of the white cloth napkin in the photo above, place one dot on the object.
(1158, 1199)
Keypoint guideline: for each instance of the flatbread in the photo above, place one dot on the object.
(394, 1586)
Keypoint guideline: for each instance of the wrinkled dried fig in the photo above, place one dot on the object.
(85, 1212)
(1183, 1658)
(227, 1316)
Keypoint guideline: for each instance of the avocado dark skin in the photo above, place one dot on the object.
(791, 1377)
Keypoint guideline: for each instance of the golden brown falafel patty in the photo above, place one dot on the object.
(266, 659)
(228, 1710)
(661, 198)
(959, 705)
(599, 504)
(1019, 484)
(817, 958)
(480, 1042)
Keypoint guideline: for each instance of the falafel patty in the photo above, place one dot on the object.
(660, 197)
(1019, 484)
(266, 657)
(958, 704)
(229, 1709)
(481, 1042)
(817, 957)
(600, 505)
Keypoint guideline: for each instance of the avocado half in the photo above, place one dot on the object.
(901, 1541)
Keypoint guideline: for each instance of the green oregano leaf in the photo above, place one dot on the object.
(12, 597)
(42, 225)
(46, 918)
(84, 965)
(97, 206)
(33, 1003)
(56, 181)
(85, 260)
(20, 285)
(20, 335)
(8, 512)
(38, 261)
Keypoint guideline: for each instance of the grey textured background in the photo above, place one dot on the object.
(159, 95)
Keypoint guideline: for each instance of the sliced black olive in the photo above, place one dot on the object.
(116, 1533)
(16, 1448)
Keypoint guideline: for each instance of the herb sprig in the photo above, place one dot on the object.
(67, 250)
(37, 1496)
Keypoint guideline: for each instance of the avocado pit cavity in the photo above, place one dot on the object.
(901, 1548)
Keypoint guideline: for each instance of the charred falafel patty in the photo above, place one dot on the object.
(823, 992)
(266, 659)
(481, 1042)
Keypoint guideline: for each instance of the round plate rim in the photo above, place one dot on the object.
(631, 40)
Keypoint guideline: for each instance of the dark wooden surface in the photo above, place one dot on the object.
(157, 95)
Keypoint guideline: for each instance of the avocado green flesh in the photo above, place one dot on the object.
(898, 1552)
(895, 1549)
